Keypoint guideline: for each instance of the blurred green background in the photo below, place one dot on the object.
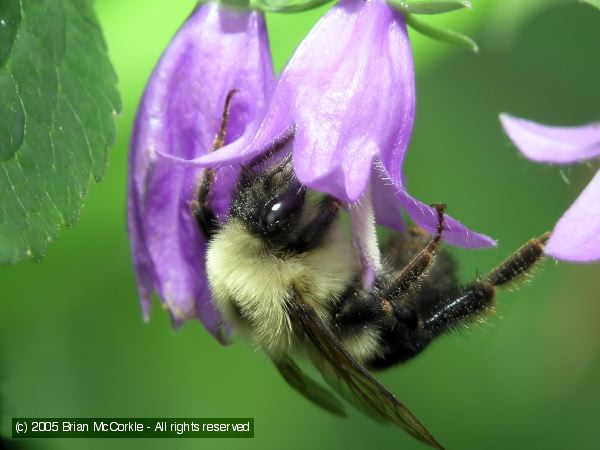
(72, 341)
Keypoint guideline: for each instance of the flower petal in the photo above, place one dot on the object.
(454, 232)
(144, 268)
(389, 196)
(576, 236)
(549, 144)
(349, 91)
(352, 85)
(180, 115)
(387, 210)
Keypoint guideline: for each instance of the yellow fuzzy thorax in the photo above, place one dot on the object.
(250, 284)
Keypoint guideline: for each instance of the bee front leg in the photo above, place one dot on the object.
(202, 208)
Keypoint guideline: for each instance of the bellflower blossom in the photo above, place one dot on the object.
(576, 236)
(217, 49)
(348, 93)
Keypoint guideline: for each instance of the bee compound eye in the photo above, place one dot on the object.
(275, 212)
(281, 207)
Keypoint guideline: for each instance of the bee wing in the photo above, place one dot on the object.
(308, 387)
(362, 387)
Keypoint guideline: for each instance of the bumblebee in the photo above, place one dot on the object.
(284, 273)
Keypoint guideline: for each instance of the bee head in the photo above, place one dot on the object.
(269, 202)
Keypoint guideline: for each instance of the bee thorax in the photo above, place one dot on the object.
(251, 286)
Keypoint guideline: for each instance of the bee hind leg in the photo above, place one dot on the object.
(478, 296)
(436, 309)
(410, 320)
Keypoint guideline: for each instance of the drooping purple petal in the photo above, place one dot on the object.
(454, 231)
(349, 89)
(550, 144)
(216, 50)
(144, 269)
(349, 93)
(387, 210)
(576, 236)
(356, 98)
(389, 197)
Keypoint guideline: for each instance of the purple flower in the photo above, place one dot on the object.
(217, 49)
(348, 92)
(576, 236)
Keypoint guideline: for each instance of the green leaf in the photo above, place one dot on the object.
(448, 36)
(429, 6)
(286, 6)
(595, 3)
(58, 99)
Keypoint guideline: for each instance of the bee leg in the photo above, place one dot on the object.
(311, 235)
(437, 309)
(414, 271)
(386, 306)
(356, 309)
(222, 133)
(478, 296)
(202, 209)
